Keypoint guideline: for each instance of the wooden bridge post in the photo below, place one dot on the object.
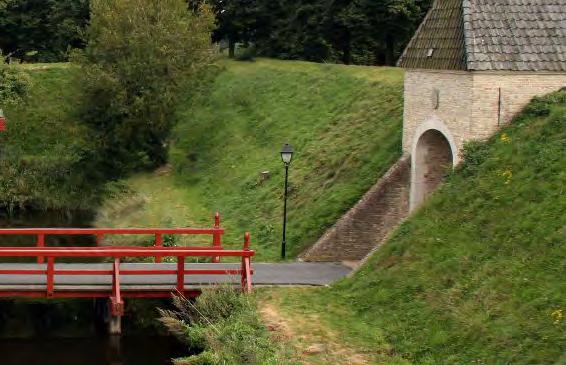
(50, 276)
(181, 274)
(246, 267)
(158, 244)
(116, 302)
(216, 236)
(40, 244)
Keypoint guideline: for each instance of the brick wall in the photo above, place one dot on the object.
(367, 224)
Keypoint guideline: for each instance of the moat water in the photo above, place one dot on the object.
(127, 350)
(69, 332)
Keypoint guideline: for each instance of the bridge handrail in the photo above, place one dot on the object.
(95, 231)
(216, 232)
(122, 251)
(119, 252)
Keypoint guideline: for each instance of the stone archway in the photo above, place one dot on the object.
(432, 157)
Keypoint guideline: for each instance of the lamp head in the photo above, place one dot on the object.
(287, 153)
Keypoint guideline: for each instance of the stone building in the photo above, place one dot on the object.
(470, 67)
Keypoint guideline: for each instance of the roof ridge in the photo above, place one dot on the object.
(490, 35)
(468, 28)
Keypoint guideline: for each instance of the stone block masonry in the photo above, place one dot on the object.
(366, 225)
(467, 105)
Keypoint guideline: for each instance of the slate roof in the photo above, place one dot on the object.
(481, 35)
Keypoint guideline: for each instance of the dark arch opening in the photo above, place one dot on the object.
(433, 159)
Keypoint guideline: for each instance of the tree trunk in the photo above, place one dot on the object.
(389, 50)
(231, 48)
(347, 50)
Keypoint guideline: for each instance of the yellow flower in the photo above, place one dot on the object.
(557, 316)
(507, 174)
(505, 138)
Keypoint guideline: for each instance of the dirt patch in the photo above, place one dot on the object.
(313, 341)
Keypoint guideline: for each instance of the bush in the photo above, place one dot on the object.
(14, 84)
(139, 55)
(224, 326)
(474, 155)
(246, 53)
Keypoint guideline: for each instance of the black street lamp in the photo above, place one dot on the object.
(286, 157)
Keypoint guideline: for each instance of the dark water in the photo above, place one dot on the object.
(65, 332)
(138, 350)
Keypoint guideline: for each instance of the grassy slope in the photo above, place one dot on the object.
(477, 275)
(344, 122)
(42, 142)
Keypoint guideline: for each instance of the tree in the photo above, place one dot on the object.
(236, 22)
(139, 56)
(42, 30)
(391, 23)
(14, 84)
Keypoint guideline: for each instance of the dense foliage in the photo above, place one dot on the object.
(132, 72)
(222, 325)
(14, 84)
(42, 30)
(343, 31)
(475, 276)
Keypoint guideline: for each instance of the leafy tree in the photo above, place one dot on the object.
(139, 55)
(236, 21)
(390, 24)
(14, 84)
(42, 30)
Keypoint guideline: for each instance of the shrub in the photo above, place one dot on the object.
(140, 53)
(224, 326)
(14, 84)
(474, 155)
(246, 53)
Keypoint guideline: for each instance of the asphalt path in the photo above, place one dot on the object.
(265, 274)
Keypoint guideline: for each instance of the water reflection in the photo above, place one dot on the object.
(138, 350)
(42, 320)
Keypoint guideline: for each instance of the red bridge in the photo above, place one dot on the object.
(51, 277)
(118, 272)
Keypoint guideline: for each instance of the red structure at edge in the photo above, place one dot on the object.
(118, 253)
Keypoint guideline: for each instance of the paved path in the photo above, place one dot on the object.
(265, 274)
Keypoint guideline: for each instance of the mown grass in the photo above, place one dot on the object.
(477, 275)
(344, 123)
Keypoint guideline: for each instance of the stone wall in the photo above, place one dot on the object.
(468, 105)
(515, 90)
(369, 222)
(450, 113)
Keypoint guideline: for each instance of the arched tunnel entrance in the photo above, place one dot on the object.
(432, 158)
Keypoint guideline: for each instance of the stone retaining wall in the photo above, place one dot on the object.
(366, 225)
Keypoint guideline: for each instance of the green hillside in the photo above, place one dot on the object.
(474, 277)
(345, 125)
(43, 145)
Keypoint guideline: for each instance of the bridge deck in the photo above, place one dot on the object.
(265, 274)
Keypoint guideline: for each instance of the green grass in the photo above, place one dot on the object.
(477, 275)
(44, 143)
(344, 123)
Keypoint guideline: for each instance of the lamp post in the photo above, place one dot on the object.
(286, 157)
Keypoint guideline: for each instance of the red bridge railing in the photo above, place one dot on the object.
(119, 253)
(41, 233)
